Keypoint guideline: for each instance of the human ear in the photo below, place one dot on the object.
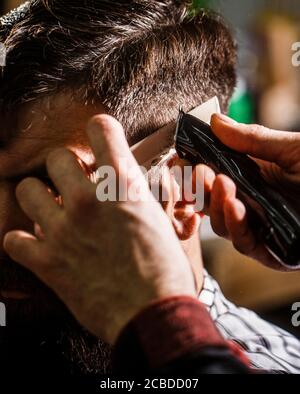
(184, 193)
(185, 220)
(187, 196)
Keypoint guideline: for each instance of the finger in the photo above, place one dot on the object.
(262, 254)
(25, 249)
(255, 140)
(223, 189)
(238, 227)
(108, 142)
(67, 174)
(242, 236)
(203, 180)
(36, 201)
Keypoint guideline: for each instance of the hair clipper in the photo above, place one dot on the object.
(276, 222)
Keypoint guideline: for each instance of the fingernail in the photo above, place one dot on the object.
(226, 119)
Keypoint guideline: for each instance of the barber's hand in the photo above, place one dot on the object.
(278, 154)
(106, 260)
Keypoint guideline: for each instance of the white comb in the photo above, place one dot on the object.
(147, 150)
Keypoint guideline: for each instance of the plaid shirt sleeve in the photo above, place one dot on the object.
(176, 335)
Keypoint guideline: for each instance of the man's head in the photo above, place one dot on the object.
(67, 60)
(141, 59)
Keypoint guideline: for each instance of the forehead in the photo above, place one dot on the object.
(57, 121)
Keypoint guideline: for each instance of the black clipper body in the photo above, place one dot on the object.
(274, 219)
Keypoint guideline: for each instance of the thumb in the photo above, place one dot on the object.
(254, 140)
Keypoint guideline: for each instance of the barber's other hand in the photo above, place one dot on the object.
(105, 260)
(278, 154)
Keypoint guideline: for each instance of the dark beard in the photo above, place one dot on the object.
(42, 326)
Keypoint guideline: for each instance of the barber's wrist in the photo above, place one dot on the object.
(120, 320)
(163, 331)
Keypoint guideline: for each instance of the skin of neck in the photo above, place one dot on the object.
(193, 251)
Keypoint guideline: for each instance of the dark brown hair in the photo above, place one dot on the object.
(141, 58)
